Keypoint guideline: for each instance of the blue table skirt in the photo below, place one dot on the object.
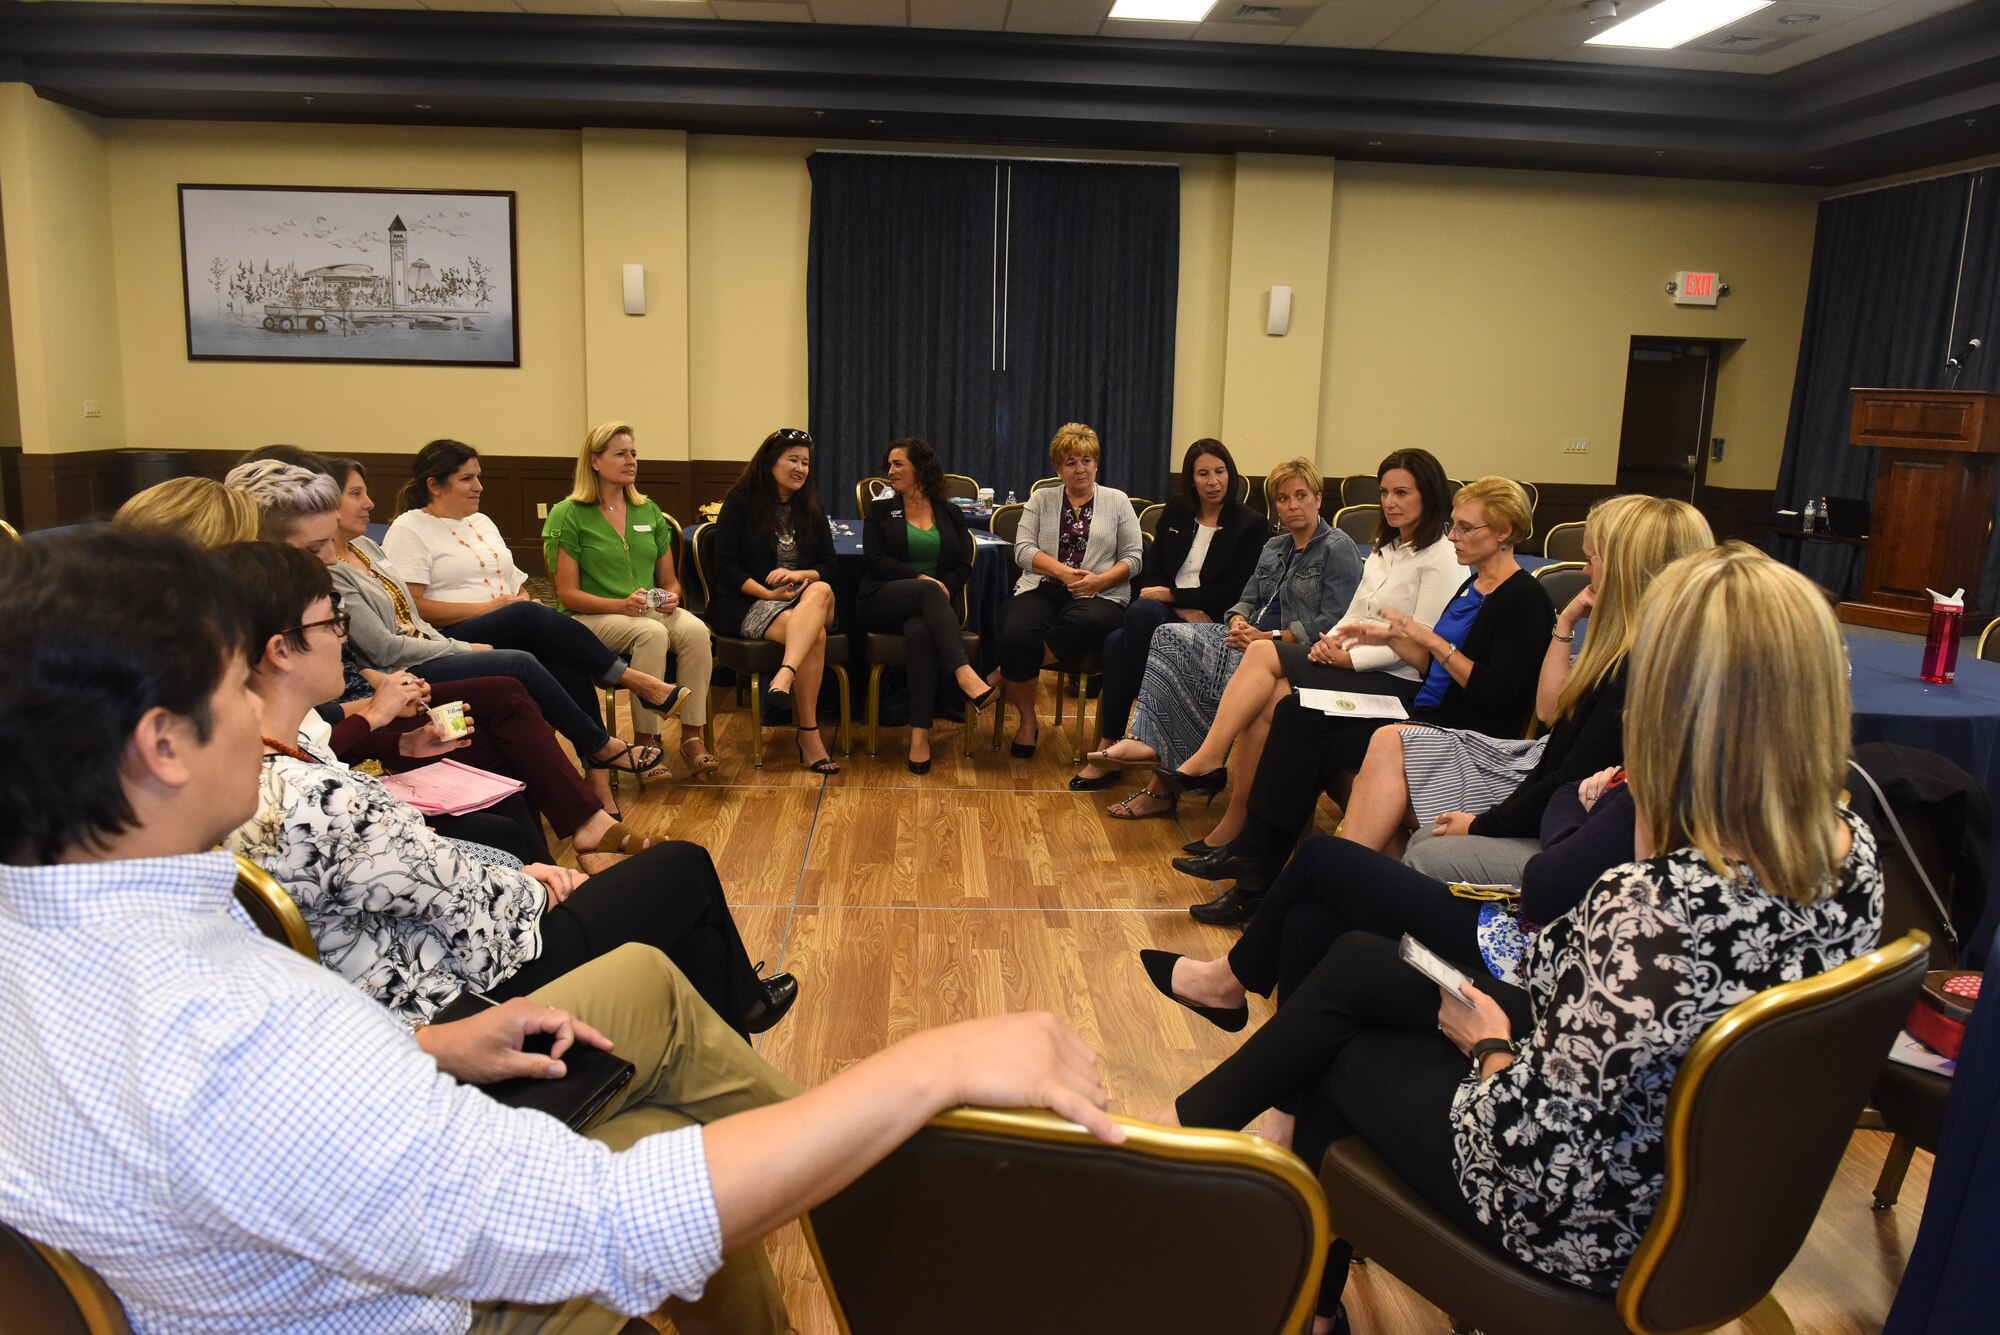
(1961, 721)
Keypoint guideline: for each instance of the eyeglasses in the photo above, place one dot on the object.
(339, 621)
(1465, 530)
(793, 433)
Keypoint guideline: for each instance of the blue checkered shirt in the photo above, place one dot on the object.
(238, 1140)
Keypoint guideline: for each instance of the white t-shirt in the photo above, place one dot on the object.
(457, 560)
(1190, 571)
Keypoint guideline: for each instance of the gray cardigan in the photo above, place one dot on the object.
(1114, 537)
(1316, 589)
(372, 625)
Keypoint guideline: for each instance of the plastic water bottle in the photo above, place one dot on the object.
(1011, 499)
(1811, 515)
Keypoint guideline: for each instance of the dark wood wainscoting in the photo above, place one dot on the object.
(47, 490)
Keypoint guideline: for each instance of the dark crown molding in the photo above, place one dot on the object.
(1921, 96)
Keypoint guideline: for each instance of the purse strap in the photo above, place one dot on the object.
(1916, 863)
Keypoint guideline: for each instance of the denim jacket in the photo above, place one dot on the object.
(1315, 591)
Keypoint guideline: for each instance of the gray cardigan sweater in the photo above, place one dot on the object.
(1114, 537)
(372, 628)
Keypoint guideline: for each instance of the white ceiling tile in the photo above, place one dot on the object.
(472, 6)
(1164, 32)
(302, 4)
(987, 14)
(1094, 10)
(1770, 22)
(870, 13)
(748, 9)
(603, 7)
(1513, 43)
(1264, 34)
(662, 9)
(1492, 6)
(1362, 25)
(1610, 55)
(376, 4)
(1068, 25)
(1447, 32)
(1715, 61)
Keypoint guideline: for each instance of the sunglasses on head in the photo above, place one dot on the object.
(793, 433)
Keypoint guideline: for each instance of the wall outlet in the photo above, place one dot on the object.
(91, 408)
(1576, 445)
(541, 510)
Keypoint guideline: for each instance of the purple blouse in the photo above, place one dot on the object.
(1074, 533)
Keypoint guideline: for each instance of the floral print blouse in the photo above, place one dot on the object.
(1564, 1151)
(1074, 534)
(396, 908)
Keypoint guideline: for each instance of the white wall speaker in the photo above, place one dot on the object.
(1279, 321)
(635, 289)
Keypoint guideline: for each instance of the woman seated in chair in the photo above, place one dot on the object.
(460, 573)
(413, 918)
(387, 635)
(773, 579)
(1549, 1145)
(917, 557)
(1203, 554)
(1078, 546)
(1476, 801)
(200, 509)
(1304, 578)
(1479, 665)
(610, 555)
(1411, 566)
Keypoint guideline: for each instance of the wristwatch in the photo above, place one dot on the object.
(1277, 635)
(1485, 1048)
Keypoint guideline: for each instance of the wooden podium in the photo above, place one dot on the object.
(1933, 502)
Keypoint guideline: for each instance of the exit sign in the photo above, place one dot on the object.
(1696, 289)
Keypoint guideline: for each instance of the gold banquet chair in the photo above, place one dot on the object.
(274, 911)
(1006, 524)
(1760, 1114)
(882, 649)
(1014, 1221)
(50, 1292)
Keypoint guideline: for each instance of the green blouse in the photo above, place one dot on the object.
(923, 548)
(607, 565)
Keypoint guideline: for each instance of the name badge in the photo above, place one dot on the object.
(642, 528)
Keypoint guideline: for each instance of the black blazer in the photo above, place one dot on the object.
(742, 553)
(1583, 742)
(1231, 559)
(1506, 642)
(885, 547)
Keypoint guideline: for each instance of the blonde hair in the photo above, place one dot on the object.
(199, 509)
(1635, 538)
(1300, 467)
(1736, 721)
(584, 489)
(1505, 502)
(1074, 440)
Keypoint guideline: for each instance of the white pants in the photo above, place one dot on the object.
(645, 641)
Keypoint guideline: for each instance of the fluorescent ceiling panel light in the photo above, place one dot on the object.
(1163, 11)
(1672, 22)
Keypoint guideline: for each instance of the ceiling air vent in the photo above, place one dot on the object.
(1736, 43)
(1259, 14)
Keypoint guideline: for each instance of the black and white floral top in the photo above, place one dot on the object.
(396, 908)
(1563, 1150)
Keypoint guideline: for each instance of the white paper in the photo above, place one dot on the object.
(1912, 1053)
(1340, 704)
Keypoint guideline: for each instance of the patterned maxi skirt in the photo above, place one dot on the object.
(1449, 769)
(1187, 665)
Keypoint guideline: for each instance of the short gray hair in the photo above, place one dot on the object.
(285, 494)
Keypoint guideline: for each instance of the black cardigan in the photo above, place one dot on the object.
(742, 553)
(885, 547)
(1584, 741)
(1506, 643)
(1231, 560)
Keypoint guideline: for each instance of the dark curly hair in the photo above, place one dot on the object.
(78, 671)
(762, 488)
(435, 462)
(1431, 486)
(930, 472)
(1208, 445)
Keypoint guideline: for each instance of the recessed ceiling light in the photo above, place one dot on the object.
(1672, 22)
(1163, 11)
(1793, 20)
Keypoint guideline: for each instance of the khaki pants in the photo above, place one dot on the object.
(645, 642)
(692, 1068)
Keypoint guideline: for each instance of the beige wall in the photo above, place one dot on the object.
(1487, 315)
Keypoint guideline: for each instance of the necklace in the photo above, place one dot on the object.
(406, 619)
(291, 751)
(458, 532)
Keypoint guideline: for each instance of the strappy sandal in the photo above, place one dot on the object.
(1104, 759)
(824, 765)
(776, 698)
(1127, 811)
(703, 764)
(632, 760)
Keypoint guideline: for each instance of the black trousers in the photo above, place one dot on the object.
(1125, 662)
(1047, 615)
(1356, 1051)
(575, 657)
(1332, 887)
(667, 897)
(918, 610)
(509, 825)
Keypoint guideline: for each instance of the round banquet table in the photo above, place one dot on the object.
(1959, 721)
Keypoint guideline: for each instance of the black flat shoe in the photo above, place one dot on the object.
(918, 766)
(1220, 865)
(1079, 784)
(1160, 968)
(1232, 908)
(780, 991)
(1194, 785)
(1024, 750)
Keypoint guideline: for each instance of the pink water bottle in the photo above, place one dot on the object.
(1941, 644)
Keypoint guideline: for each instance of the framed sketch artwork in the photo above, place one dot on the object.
(286, 273)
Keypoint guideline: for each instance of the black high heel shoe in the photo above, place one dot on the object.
(918, 766)
(1160, 968)
(824, 765)
(776, 698)
(1195, 785)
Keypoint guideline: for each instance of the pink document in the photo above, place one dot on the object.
(448, 788)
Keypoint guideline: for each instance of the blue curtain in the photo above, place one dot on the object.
(1890, 268)
(980, 304)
